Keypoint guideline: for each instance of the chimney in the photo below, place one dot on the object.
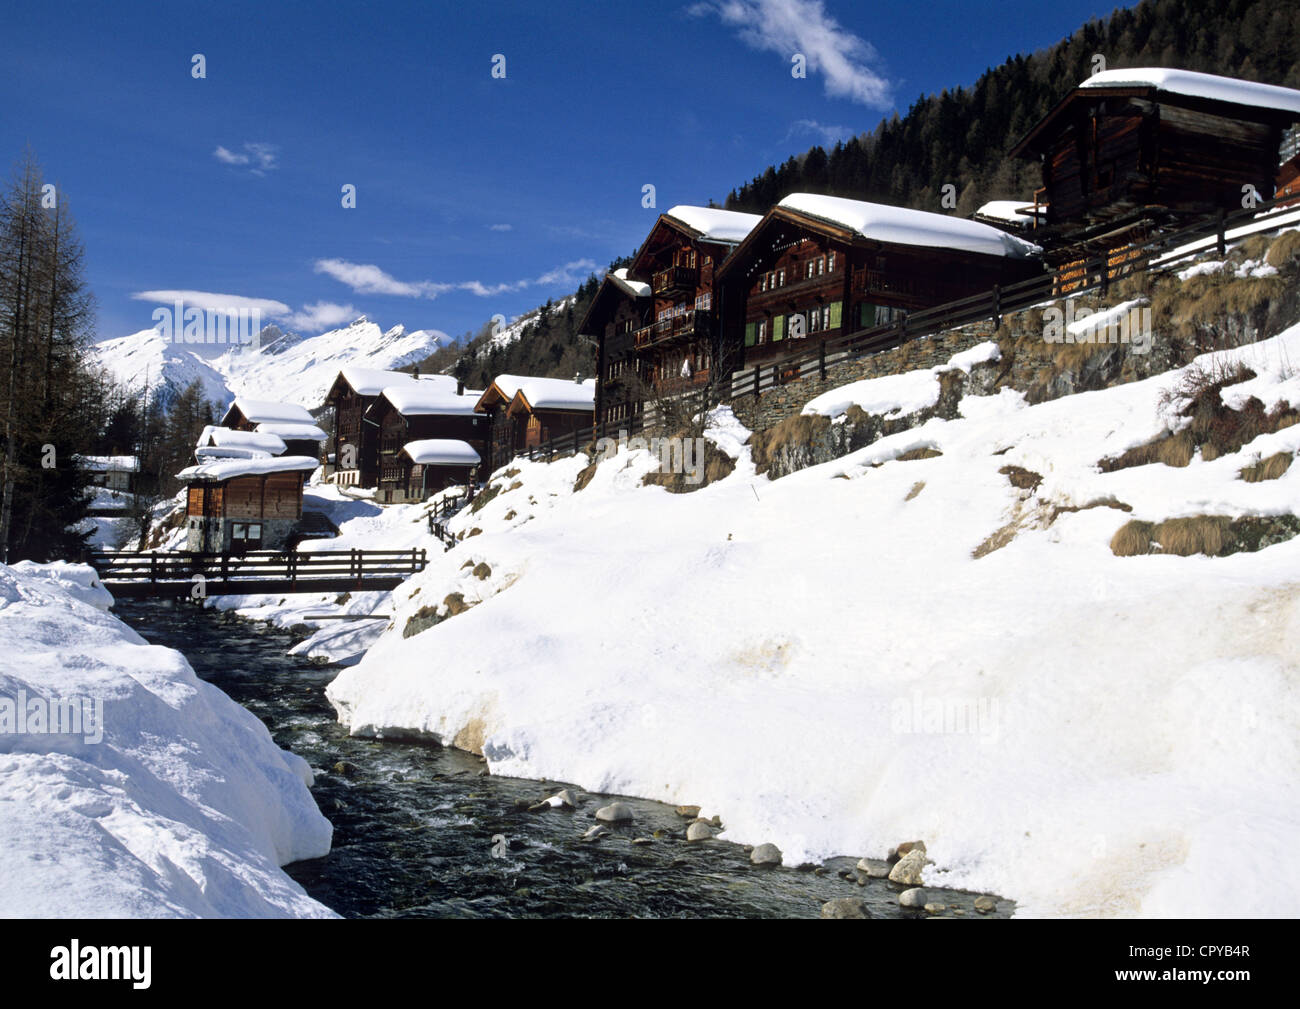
(577, 377)
(460, 388)
(415, 371)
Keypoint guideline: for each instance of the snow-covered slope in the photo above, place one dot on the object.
(174, 802)
(877, 649)
(284, 367)
(147, 361)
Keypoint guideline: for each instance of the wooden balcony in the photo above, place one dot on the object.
(672, 280)
(680, 327)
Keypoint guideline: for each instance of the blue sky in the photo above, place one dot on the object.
(475, 195)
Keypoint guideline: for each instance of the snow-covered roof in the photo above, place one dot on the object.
(1008, 210)
(247, 441)
(636, 288)
(1199, 85)
(902, 226)
(260, 411)
(109, 463)
(293, 432)
(414, 399)
(557, 394)
(227, 469)
(715, 224)
(372, 381)
(441, 452)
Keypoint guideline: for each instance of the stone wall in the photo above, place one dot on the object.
(775, 403)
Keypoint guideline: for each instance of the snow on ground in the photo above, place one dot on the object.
(821, 659)
(898, 395)
(175, 802)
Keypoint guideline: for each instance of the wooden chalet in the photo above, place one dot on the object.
(245, 414)
(430, 465)
(239, 504)
(820, 266)
(114, 472)
(621, 307)
(678, 345)
(1132, 149)
(419, 411)
(355, 445)
(523, 412)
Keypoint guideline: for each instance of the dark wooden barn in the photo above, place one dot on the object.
(415, 411)
(355, 445)
(1131, 149)
(433, 464)
(820, 266)
(620, 308)
(523, 411)
(233, 505)
(678, 342)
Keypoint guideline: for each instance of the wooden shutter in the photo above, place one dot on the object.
(836, 319)
(749, 333)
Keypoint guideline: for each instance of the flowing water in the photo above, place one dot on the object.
(421, 830)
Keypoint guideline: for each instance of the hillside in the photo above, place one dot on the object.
(961, 136)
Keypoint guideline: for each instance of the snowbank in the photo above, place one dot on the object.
(822, 659)
(169, 800)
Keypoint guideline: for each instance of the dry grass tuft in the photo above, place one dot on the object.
(800, 430)
(1284, 250)
(1131, 539)
(584, 478)
(918, 453)
(1267, 469)
(916, 489)
(1199, 534)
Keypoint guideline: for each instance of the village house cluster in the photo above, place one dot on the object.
(713, 294)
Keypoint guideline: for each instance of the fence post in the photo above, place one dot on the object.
(821, 361)
(997, 305)
(293, 567)
(153, 568)
(1223, 246)
(758, 372)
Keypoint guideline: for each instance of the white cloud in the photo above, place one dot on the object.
(257, 158)
(322, 316)
(811, 127)
(208, 301)
(501, 227)
(366, 278)
(803, 26)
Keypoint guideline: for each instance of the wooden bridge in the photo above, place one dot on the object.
(135, 575)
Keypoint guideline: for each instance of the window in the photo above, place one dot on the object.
(811, 269)
(814, 321)
(771, 280)
(238, 531)
(780, 276)
(762, 331)
(830, 263)
(762, 283)
(821, 265)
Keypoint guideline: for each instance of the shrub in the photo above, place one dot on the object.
(1267, 469)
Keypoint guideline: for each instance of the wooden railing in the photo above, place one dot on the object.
(690, 323)
(159, 573)
(573, 442)
(675, 278)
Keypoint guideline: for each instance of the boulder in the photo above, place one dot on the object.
(699, 831)
(845, 907)
(689, 812)
(915, 897)
(984, 904)
(766, 854)
(615, 812)
(907, 870)
(875, 868)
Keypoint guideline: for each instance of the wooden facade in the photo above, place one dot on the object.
(1287, 190)
(395, 429)
(418, 480)
(678, 343)
(1112, 154)
(620, 308)
(244, 512)
(534, 425)
(799, 278)
(354, 442)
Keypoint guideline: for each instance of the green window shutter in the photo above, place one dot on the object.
(868, 315)
(836, 320)
(749, 333)
(778, 328)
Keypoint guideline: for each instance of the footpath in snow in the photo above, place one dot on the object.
(880, 649)
(160, 797)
